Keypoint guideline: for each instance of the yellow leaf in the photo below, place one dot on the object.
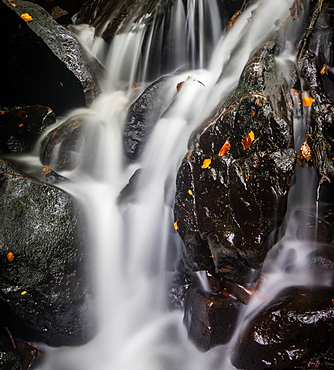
(190, 192)
(24, 292)
(323, 70)
(27, 17)
(176, 225)
(307, 101)
(206, 163)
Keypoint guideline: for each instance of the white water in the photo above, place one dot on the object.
(137, 332)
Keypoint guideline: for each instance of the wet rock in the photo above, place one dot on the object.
(313, 229)
(179, 286)
(20, 127)
(70, 6)
(9, 355)
(232, 186)
(44, 63)
(44, 278)
(144, 114)
(210, 319)
(315, 61)
(294, 328)
(60, 15)
(63, 148)
(322, 258)
(127, 194)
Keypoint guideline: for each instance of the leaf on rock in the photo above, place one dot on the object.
(206, 163)
(225, 148)
(27, 17)
(323, 70)
(305, 152)
(307, 101)
(247, 140)
(10, 256)
(176, 225)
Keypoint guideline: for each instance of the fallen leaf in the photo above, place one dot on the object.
(206, 163)
(24, 292)
(190, 192)
(247, 140)
(225, 148)
(21, 125)
(10, 256)
(307, 101)
(176, 225)
(27, 17)
(323, 70)
(46, 170)
(305, 152)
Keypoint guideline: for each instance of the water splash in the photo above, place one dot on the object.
(130, 242)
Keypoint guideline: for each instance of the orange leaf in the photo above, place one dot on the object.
(10, 256)
(206, 163)
(305, 152)
(323, 70)
(225, 148)
(176, 226)
(27, 17)
(247, 140)
(307, 101)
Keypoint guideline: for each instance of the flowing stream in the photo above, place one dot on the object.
(132, 239)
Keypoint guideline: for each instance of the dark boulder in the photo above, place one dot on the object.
(232, 186)
(210, 318)
(20, 127)
(42, 62)
(44, 277)
(296, 327)
(144, 114)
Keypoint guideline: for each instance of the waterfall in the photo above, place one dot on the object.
(130, 240)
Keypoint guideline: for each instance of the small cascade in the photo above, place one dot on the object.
(132, 240)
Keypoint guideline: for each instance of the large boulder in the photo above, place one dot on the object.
(44, 277)
(210, 318)
(295, 327)
(42, 62)
(232, 186)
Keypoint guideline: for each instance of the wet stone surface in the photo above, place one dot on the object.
(232, 186)
(20, 127)
(291, 330)
(210, 318)
(45, 293)
(44, 63)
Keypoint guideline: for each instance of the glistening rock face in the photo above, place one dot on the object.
(44, 289)
(44, 62)
(296, 326)
(232, 186)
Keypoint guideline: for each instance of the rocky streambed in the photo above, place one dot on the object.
(232, 188)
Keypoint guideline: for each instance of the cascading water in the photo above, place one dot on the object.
(131, 238)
